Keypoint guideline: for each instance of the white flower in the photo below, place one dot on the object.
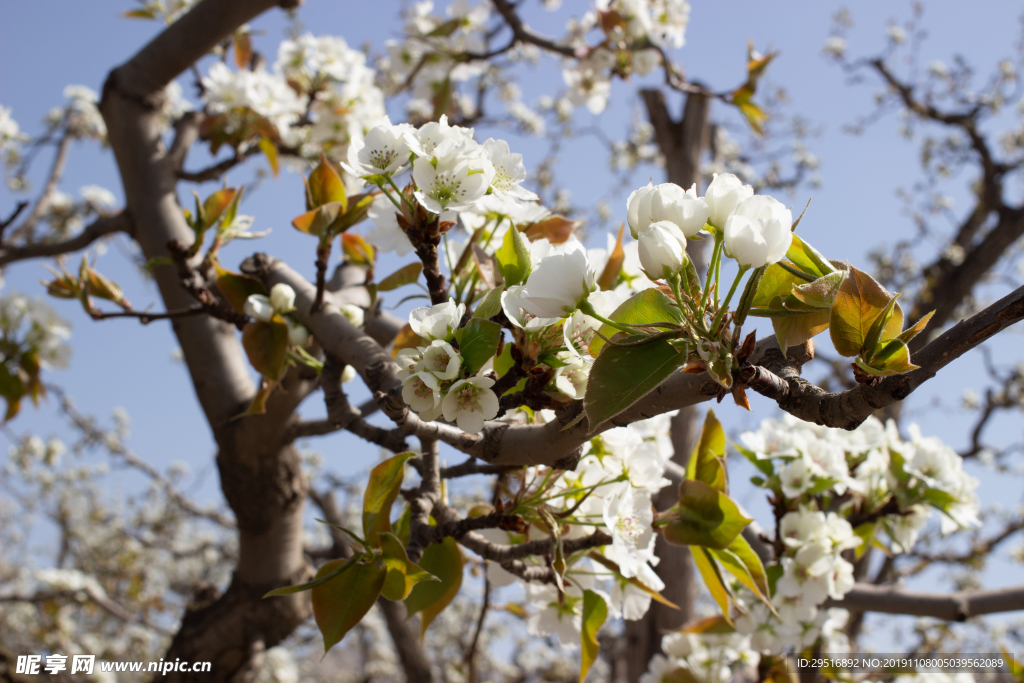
(453, 181)
(297, 334)
(799, 527)
(589, 84)
(432, 134)
(628, 516)
(422, 392)
(470, 403)
(835, 46)
(561, 617)
(668, 22)
(722, 196)
(896, 34)
(100, 198)
(559, 283)
(638, 209)
(796, 477)
(437, 322)
(938, 69)
(282, 298)
(662, 250)
(387, 235)
(841, 579)
(631, 601)
(571, 379)
(511, 303)
(908, 525)
(408, 361)
(682, 207)
(384, 150)
(259, 307)
(354, 314)
(348, 374)
(759, 231)
(646, 61)
(441, 360)
(509, 171)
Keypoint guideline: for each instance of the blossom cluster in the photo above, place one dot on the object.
(280, 303)
(319, 96)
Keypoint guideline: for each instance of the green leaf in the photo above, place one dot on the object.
(595, 611)
(706, 463)
(406, 275)
(402, 574)
(765, 465)
(807, 258)
(794, 330)
(269, 150)
(703, 516)
(822, 292)
(325, 186)
(740, 560)
(342, 602)
(712, 579)
(490, 304)
(503, 362)
(942, 500)
(266, 345)
(513, 257)
(621, 376)
(893, 358)
(912, 332)
(478, 342)
(443, 560)
(322, 576)
(380, 494)
(216, 203)
(774, 572)
(318, 221)
(865, 532)
(649, 306)
(874, 336)
(776, 282)
(237, 287)
(858, 304)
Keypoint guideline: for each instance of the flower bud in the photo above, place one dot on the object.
(759, 231)
(638, 210)
(662, 250)
(682, 207)
(258, 306)
(297, 334)
(354, 314)
(282, 298)
(722, 196)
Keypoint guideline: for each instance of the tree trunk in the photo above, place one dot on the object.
(682, 143)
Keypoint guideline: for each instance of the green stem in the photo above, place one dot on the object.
(716, 254)
(388, 195)
(797, 272)
(587, 308)
(401, 194)
(725, 304)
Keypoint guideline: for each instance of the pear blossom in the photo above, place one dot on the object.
(408, 361)
(453, 181)
(437, 322)
(662, 250)
(681, 207)
(628, 516)
(511, 303)
(509, 171)
(559, 283)
(384, 151)
(441, 360)
(354, 314)
(561, 617)
(421, 391)
(259, 307)
(802, 526)
(759, 231)
(724, 193)
(297, 334)
(628, 600)
(796, 477)
(571, 378)
(470, 402)
(432, 134)
(282, 298)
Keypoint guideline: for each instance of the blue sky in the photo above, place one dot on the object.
(48, 44)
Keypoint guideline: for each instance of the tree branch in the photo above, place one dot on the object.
(951, 606)
(101, 227)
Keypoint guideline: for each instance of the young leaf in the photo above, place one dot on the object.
(858, 303)
(380, 494)
(266, 345)
(601, 559)
(621, 376)
(478, 342)
(822, 292)
(703, 516)
(807, 258)
(357, 250)
(318, 221)
(216, 203)
(237, 287)
(269, 150)
(322, 577)
(912, 332)
(514, 257)
(776, 282)
(874, 336)
(608, 276)
(490, 304)
(712, 579)
(765, 465)
(893, 358)
(341, 603)
(555, 229)
(649, 306)
(794, 330)
(325, 186)
(706, 462)
(406, 275)
(443, 560)
(407, 339)
(709, 625)
(402, 574)
(595, 611)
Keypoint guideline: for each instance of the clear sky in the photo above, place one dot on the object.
(48, 44)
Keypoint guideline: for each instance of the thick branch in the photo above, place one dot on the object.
(952, 606)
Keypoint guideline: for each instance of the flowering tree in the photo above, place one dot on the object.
(568, 377)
